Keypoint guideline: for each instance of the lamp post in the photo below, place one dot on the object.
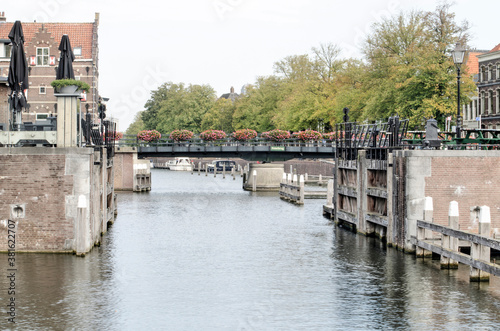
(458, 58)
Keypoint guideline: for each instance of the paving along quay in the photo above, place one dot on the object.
(66, 176)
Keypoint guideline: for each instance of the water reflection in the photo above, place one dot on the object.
(199, 253)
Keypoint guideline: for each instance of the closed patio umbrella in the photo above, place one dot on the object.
(65, 69)
(18, 73)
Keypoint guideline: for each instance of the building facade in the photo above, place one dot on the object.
(470, 110)
(41, 43)
(489, 89)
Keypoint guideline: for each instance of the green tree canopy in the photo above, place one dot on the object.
(174, 106)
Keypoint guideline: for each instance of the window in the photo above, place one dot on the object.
(77, 51)
(42, 56)
(42, 90)
(5, 50)
(490, 71)
(490, 102)
(41, 116)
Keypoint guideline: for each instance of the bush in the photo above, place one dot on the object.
(180, 135)
(244, 134)
(57, 84)
(211, 135)
(149, 135)
(276, 135)
(308, 135)
(330, 136)
(114, 135)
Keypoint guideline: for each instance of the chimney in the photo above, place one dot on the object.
(232, 90)
(2, 17)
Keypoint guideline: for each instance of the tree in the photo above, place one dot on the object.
(136, 126)
(173, 106)
(220, 116)
(257, 108)
(410, 69)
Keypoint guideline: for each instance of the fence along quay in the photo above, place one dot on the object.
(384, 176)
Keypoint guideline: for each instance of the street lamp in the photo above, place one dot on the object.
(458, 58)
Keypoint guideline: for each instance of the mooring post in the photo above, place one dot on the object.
(199, 168)
(224, 171)
(301, 190)
(320, 180)
(329, 194)
(306, 176)
(423, 234)
(233, 174)
(282, 187)
(448, 242)
(206, 170)
(480, 252)
(82, 236)
(295, 189)
(288, 188)
(254, 183)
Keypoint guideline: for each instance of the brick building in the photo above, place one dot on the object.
(41, 43)
(470, 110)
(489, 88)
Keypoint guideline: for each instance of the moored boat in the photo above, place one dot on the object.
(180, 164)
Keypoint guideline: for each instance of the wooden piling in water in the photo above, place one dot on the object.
(450, 243)
(423, 234)
(481, 252)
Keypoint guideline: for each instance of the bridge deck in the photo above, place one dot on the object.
(263, 153)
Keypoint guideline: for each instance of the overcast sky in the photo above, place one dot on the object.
(224, 43)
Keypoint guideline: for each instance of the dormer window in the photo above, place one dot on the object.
(42, 56)
(77, 51)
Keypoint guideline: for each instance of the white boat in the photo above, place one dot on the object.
(180, 164)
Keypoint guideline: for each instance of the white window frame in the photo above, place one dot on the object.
(40, 88)
(42, 57)
(77, 51)
(6, 50)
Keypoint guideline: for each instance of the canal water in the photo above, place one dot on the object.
(199, 253)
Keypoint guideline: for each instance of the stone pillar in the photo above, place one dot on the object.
(67, 119)
(268, 177)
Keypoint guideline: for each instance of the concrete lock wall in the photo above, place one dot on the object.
(387, 199)
(268, 176)
(59, 193)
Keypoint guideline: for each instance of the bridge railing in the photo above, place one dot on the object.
(133, 141)
(485, 139)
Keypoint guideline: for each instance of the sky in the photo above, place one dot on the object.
(224, 43)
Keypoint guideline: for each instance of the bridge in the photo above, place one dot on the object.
(248, 150)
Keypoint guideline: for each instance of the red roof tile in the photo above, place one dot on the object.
(495, 49)
(473, 63)
(80, 34)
